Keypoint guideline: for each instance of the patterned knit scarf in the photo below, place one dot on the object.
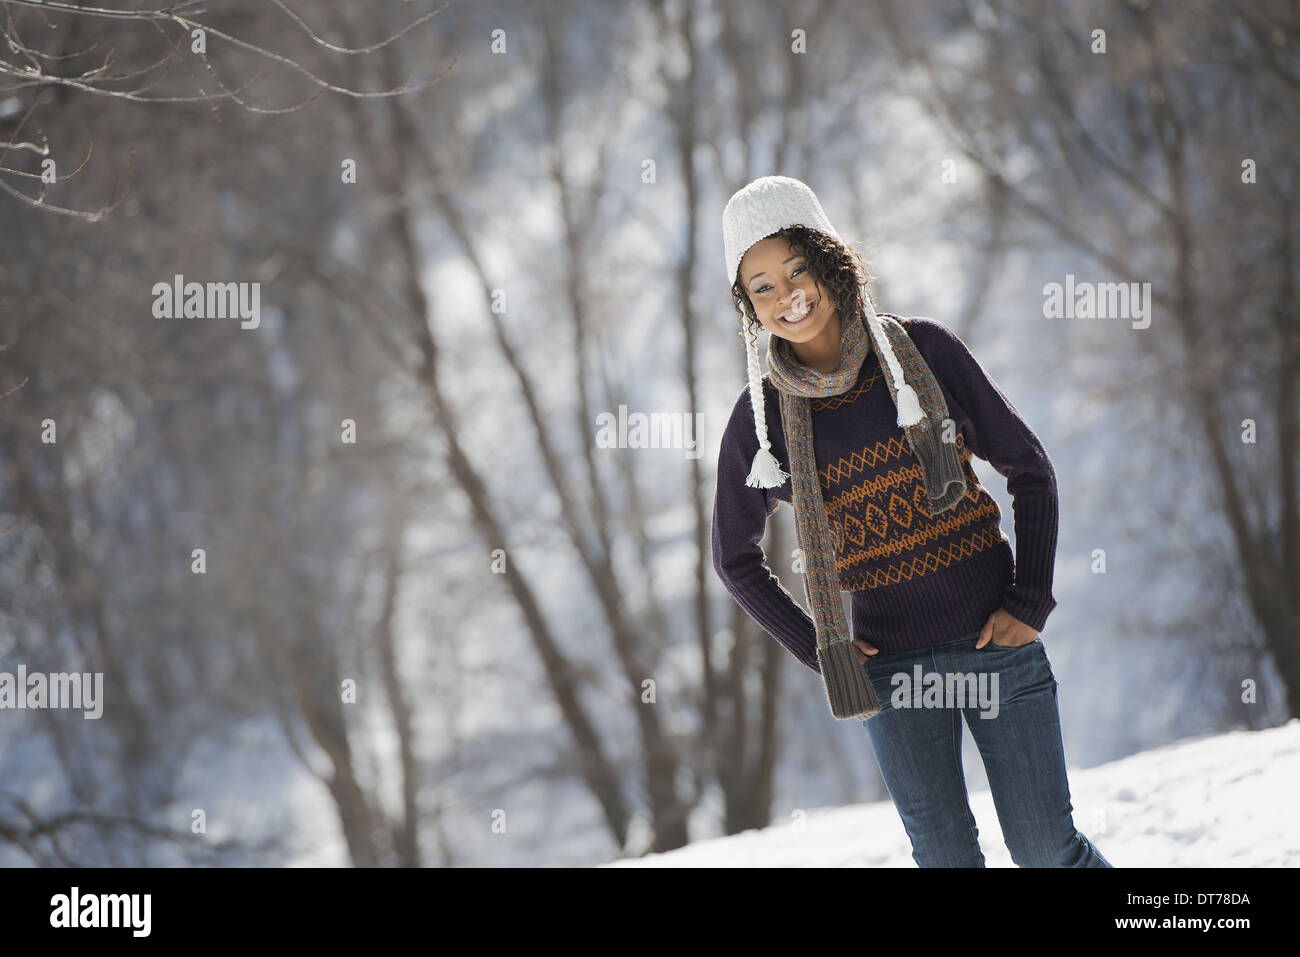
(848, 688)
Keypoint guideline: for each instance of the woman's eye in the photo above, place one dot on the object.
(764, 288)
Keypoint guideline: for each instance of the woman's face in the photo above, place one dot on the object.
(781, 288)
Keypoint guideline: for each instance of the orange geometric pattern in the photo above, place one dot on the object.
(877, 510)
(835, 401)
(874, 486)
(922, 565)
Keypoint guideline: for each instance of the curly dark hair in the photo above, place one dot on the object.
(840, 269)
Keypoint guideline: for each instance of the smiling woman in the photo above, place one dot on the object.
(789, 302)
(876, 418)
(779, 276)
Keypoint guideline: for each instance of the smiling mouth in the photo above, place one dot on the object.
(793, 320)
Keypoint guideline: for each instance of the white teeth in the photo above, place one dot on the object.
(798, 318)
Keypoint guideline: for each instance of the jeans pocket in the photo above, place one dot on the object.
(1037, 640)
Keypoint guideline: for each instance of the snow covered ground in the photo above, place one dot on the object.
(1221, 800)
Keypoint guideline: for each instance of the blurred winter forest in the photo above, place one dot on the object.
(433, 622)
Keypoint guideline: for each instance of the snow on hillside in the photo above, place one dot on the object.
(1221, 800)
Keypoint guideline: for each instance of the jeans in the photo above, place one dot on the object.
(919, 750)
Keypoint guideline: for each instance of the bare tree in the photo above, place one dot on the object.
(55, 49)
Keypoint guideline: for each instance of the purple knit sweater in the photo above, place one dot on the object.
(916, 580)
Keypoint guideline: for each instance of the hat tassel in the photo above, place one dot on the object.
(766, 472)
(909, 406)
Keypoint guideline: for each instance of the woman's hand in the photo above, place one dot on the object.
(1009, 630)
(864, 650)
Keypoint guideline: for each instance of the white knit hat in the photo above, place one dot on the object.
(754, 212)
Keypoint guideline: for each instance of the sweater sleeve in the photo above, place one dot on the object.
(994, 430)
(739, 522)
